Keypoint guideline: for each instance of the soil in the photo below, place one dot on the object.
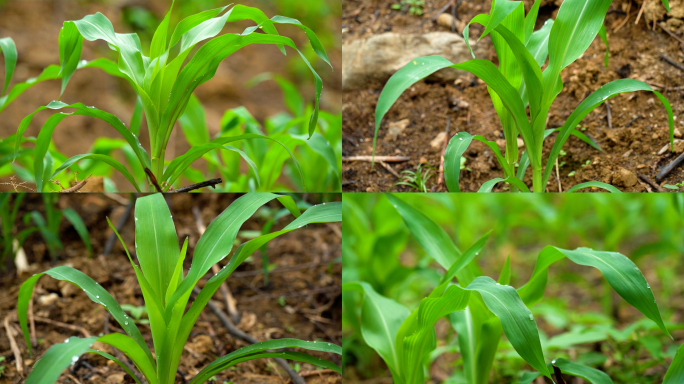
(302, 302)
(36, 37)
(631, 147)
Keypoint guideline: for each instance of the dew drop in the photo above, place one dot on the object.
(66, 341)
(126, 323)
(648, 286)
(74, 359)
(498, 284)
(97, 297)
(460, 138)
(531, 317)
(553, 362)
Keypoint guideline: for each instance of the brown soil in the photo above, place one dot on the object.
(34, 25)
(300, 303)
(634, 53)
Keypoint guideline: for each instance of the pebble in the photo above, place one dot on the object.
(48, 299)
(397, 127)
(438, 141)
(677, 133)
(446, 20)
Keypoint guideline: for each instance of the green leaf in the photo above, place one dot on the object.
(620, 272)
(92, 289)
(97, 157)
(70, 47)
(60, 356)
(9, 49)
(590, 184)
(159, 39)
(429, 235)
(156, 243)
(538, 45)
(261, 350)
(117, 361)
(675, 374)
(381, 319)
(465, 258)
(80, 227)
(590, 103)
(604, 37)
(530, 20)
(594, 376)
(293, 100)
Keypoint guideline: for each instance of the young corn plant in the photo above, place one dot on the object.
(519, 82)
(480, 309)
(166, 289)
(163, 84)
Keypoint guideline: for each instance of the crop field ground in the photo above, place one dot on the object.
(630, 146)
(397, 254)
(301, 300)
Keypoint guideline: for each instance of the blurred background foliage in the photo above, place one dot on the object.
(257, 90)
(578, 319)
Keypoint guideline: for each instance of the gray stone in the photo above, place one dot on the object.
(380, 56)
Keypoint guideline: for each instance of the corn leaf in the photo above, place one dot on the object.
(97, 157)
(70, 47)
(620, 272)
(80, 227)
(590, 184)
(9, 50)
(675, 374)
(592, 375)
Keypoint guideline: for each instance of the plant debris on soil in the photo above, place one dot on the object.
(632, 149)
(302, 300)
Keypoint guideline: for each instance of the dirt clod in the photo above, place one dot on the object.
(624, 178)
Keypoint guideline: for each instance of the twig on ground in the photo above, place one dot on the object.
(64, 325)
(641, 10)
(240, 334)
(670, 167)
(15, 349)
(664, 88)
(119, 226)
(231, 303)
(209, 183)
(623, 22)
(440, 178)
(633, 120)
(72, 378)
(650, 182)
(13, 182)
(76, 187)
(672, 62)
(441, 10)
(389, 169)
(661, 25)
(294, 294)
(386, 159)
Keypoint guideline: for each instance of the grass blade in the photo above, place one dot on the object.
(60, 356)
(80, 227)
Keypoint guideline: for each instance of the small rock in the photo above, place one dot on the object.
(48, 299)
(650, 102)
(438, 141)
(28, 362)
(624, 178)
(501, 143)
(446, 20)
(679, 147)
(423, 160)
(626, 154)
(202, 344)
(457, 104)
(67, 289)
(677, 133)
(655, 136)
(397, 127)
(521, 143)
(116, 378)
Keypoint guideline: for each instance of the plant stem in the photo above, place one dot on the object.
(537, 181)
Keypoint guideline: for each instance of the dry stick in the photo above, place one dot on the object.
(440, 178)
(32, 323)
(386, 159)
(633, 120)
(240, 334)
(209, 183)
(231, 303)
(76, 187)
(672, 62)
(389, 168)
(609, 116)
(668, 168)
(661, 25)
(641, 10)
(119, 226)
(623, 22)
(15, 349)
(664, 88)
(73, 378)
(650, 182)
(453, 16)
(441, 10)
(64, 325)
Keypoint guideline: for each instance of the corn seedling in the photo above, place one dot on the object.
(416, 180)
(519, 82)
(480, 309)
(47, 226)
(166, 290)
(414, 7)
(320, 154)
(163, 84)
